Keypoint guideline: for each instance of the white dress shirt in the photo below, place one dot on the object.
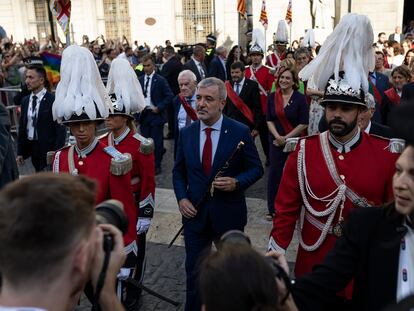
(405, 284)
(148, 102)
(368, 128)
(215, 135)
(182, 114)
(32, 114)
(200, 68)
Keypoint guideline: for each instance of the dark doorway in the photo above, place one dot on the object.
(408, 12)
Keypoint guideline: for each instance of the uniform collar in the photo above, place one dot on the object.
(121, 137)
(347, 146)
(82, 153)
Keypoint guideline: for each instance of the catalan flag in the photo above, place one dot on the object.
(241, 8)
(51, 63)
(288, 17)
(61, 10)
(263, 15)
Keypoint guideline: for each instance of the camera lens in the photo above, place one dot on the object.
(112, 212)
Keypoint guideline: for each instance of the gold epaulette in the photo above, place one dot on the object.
(50, 157)
(292, 142)
(147, 144)
(121, 163)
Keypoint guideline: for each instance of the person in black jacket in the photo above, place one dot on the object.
(8, 167)
(38, 133)
(170, 71)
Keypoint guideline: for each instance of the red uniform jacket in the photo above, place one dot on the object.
(273, 60)
(367, 170)
(142, 173)
(96, 165)
(265, 80)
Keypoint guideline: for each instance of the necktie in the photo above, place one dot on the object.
(238, 88)
(34, 115)
(207, 152)
(146, 86)
(188, 119)
(202, 73)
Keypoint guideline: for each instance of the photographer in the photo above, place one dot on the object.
(50, 247)
(237, 271)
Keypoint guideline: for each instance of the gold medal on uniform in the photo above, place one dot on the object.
(337, 229)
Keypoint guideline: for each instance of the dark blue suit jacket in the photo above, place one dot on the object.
(225, 210)
(161, 96)
(51, 135)
(216, 69)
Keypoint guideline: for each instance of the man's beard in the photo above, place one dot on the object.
(345, 130)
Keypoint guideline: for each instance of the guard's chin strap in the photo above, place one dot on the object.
(107, 246)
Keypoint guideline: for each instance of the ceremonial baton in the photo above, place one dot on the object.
(210, 188)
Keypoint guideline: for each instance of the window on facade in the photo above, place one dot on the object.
(117, 20)
(42, 20)
(198, 19)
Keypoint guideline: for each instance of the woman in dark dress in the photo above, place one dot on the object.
(235, 55)
(287, 117)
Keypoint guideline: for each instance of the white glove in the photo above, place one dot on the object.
(143, 225)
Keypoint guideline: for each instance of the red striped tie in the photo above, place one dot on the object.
(207, 152)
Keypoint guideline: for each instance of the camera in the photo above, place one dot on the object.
(237, 237)
(111, 212)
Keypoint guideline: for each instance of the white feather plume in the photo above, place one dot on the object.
(123, 82)
(308, 39)
(80, 88)
(258, 38)
(281, 32)
(348, 48)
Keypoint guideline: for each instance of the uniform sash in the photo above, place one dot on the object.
(393, 96)
(239, 103)
(280, 112)
(374, 91)
(254, 78)
(188, 109)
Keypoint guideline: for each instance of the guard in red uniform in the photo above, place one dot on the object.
(280, 41)
(127, 98)
(261, 74)
(82, 109)
(336, 171)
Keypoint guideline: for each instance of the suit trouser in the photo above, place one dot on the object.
(264, 136)
(277, 159)
(156, 133)
(38, 160)
(171, 120)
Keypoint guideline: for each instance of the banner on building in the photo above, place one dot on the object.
(288, 17)
(61, 10)
(241, 8)
(263, 15)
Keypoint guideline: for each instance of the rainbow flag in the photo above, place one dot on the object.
(51, 63)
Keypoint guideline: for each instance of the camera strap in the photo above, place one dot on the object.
(107, 245)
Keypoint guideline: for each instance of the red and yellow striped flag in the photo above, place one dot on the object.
(241, 8)
(288, 17)
(263, 15)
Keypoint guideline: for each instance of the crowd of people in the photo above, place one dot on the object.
(325, 117)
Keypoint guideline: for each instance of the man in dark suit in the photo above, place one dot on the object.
(184, 104)
(211, 204)
(157, 96)
(246, 90)
(397, 35)
(366, 123)
(38, 133)
(170, 71)
(196, 63)
(380, 83)
(217, 66)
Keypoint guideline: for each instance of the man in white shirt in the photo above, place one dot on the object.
(50, 245)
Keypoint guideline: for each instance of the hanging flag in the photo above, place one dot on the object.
(61, 10)
(263, 15)
(241, 8)
(288, 17)
(51, 63)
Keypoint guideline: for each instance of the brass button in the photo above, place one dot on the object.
(342, 177)
(341, 157)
